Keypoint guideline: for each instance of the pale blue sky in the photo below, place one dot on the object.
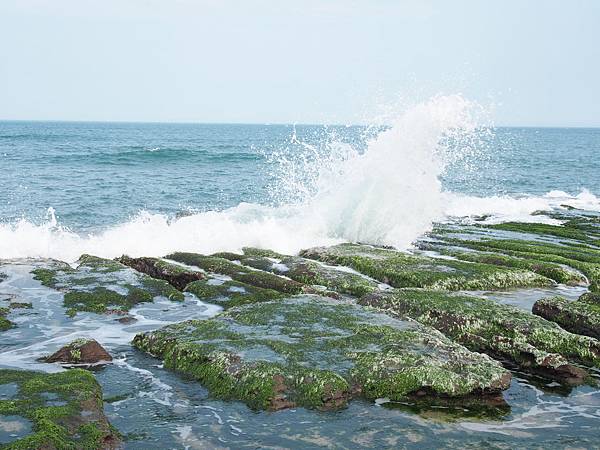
(336, 61)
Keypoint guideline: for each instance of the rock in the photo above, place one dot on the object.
(5, 324)
(240, 273)
(102, 285)
(228, 293)
(503, 332)
(581, 257)
(78, 423)
(126, 320)
(314, 352)
(556, 272)
(177, 276)
(400, 269)
(306, 271)
(80, 351)
(581, 316)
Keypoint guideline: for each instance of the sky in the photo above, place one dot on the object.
(530, 63)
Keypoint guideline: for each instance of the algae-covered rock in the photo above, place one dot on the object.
(102, 285)
(306, 271)
(5, 324)
(237, 272)
(176, 275)
(556, 272)
(406, 270)
(314, 352)
(228, 293)
(581, 316)
(582, 257)
(503, 332)
(64, 410)
(80, 351)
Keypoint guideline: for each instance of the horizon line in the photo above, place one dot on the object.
(158, 122)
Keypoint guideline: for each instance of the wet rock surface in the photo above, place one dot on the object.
(319, 353)
(177, 276)
(502, 331)
(400, 269)
(61, 410)
(102, 285)
(411, 332)
(80, 351)
(581, 316)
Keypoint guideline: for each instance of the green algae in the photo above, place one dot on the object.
(5, 324)
(406, 270)
(585, 259)
(79, 423)
(100, 300)
(102, 285)
(502, 331)
(581, 316)
(317, 353)
(553, 271)
(231, 293)
(239, 273)
(176, 275)
(567, 231)
(304, 271)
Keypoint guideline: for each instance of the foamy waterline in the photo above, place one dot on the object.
(286, 230)
(389, 194)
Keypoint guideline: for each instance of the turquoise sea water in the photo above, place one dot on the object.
(100, 174)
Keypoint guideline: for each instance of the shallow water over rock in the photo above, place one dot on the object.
(157, 408)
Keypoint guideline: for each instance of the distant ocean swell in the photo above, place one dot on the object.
(388, 194)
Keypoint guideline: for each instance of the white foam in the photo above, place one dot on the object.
(389, 194)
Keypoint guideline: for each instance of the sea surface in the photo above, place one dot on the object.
(68, 188)
(96, 175)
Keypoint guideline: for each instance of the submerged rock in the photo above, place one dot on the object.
(80, 351)
(74, 419)
(581, 316)
(503, 332)
(177, 276)
(103, 285)
(317, 353)
(407, 270)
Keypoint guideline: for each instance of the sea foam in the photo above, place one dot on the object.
(389, 193)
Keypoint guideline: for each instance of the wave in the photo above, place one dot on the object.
(388, 193)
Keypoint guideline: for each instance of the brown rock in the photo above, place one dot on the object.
(81, 351)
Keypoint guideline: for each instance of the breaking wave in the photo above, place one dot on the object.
(387, 193)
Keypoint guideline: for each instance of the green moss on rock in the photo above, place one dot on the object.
(405, 270)
(553, 271)
(317, 353)
(585, 259)
(102, 285)
(239, 273)
(78, 423)
(231, 293)
(5, 324)
(306, 271)
(581, 316)
(176, 275)
(504, 332)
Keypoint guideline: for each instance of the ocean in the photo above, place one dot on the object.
(69, 187)
(148, 189)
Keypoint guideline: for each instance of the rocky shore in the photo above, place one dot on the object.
(327, 326)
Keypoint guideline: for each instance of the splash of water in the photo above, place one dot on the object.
(386, 193)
